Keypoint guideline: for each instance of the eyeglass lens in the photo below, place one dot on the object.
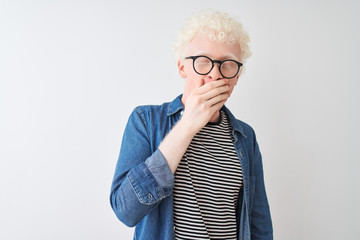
(204, 65)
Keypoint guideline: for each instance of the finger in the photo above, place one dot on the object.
(211, 85)
(217, 106)
(217, 99)
(216, 91)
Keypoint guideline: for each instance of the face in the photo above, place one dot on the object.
(201, 45)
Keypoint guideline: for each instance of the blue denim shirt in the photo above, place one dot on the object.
(141, 191)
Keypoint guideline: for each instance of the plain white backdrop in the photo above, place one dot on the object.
(72, 71)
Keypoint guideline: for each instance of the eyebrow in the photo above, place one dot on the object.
(226, 56)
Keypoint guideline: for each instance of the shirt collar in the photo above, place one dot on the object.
(175, 106)
(235, 124)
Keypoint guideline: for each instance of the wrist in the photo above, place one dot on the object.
(186, 127)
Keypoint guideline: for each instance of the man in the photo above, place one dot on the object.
(188, 169)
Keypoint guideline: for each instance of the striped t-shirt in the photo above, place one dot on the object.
(207, 184)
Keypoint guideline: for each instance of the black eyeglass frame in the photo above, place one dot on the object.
(213, 62)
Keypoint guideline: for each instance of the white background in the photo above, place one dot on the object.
(72, 71)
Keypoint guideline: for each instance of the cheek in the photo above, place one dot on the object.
(188, 67)
(195, 82)
(193, 77)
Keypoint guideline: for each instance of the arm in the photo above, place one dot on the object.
(142, 178)
(201, 105)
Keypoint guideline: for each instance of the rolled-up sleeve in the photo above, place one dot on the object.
(151, 180)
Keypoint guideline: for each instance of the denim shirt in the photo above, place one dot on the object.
(141, 191)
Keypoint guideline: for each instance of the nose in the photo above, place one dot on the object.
(214, 74)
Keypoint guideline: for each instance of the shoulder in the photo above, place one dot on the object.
(150, 113)
(151, 110)
(159, 111)
(246, 126)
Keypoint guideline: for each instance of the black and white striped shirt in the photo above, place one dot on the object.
(207, 184)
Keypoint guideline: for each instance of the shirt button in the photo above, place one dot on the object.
(150, 196)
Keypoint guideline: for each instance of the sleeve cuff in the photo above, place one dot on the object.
(152, 180)
(160, 169)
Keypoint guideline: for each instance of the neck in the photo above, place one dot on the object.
(215, 117)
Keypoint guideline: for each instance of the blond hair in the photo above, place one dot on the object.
(218, 26)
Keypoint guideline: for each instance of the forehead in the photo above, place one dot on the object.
(202, 45)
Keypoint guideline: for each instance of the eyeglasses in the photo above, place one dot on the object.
(203, 65)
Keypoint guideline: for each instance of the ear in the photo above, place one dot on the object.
(181, 68)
